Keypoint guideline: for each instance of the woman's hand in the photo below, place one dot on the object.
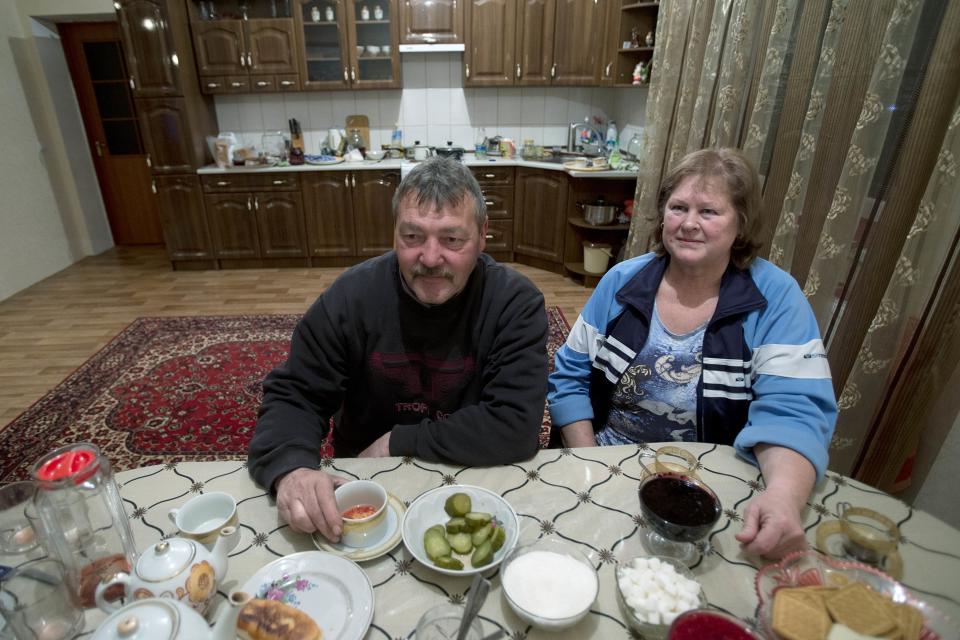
(772, 526)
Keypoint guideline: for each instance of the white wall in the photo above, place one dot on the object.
(433, 107)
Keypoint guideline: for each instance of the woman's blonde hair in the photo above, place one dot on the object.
(739, 177)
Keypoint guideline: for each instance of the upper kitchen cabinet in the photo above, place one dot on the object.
(578, 42)
(348, 44)
(431, 21)
(245, 46)
(534, 41)
(173, 133)
(148, 43)
(488, 59)
(631, 30)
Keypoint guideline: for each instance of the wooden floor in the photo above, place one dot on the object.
(51, 328)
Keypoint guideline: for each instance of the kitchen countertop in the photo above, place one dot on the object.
(469, 159)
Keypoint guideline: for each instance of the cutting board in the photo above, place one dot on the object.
(362, 124)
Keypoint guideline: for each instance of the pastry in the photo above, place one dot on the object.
(273, 620)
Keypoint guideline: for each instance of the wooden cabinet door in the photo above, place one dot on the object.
(328, 209)
(372, 213)
(579, 41)
(233, 225)
(540, 214)
(378, 70)
(323, 45)
(431, 21)
(271, 44)
(220, 47)
(489, 55)
(182, 217)
(610, 45)
(166, 133)
(534, 41)
(148, 47)
(280, 223)
(499, 236)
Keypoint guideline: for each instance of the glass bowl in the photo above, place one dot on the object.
(710, 623)
(811, 568)
(546, 585)
(647, 629)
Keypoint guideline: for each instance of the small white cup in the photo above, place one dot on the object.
(362, 532)
(202, 517)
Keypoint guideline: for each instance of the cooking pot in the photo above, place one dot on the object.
(450, 151)
(419, 151)
(598, 213)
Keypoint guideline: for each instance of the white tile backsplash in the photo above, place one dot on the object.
(434, 107)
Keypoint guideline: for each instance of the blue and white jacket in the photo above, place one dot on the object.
(765, 376)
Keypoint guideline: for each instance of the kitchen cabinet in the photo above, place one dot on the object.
(497, 186)
(578, 41)
(148, 43)
(540, 218)
(590, 191)
(184, 221)
(172, 144)
(233, 226)
(328, 206)
(431, 21)
(343, 44)
(488, 58)
(372, 210)
(629, 24)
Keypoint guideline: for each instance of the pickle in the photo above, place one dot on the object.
(447, 562)
(460, 542)
(456, 525)
(482, 534)
(482, 555)
(435, 542)
(498, 538)
(457, 505)
(476, 519)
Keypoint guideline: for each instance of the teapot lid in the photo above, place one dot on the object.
(152, 618)
(166, 559)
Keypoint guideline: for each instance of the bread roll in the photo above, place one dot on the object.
(274, 620)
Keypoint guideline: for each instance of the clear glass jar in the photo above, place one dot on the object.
(442, 622)
(83, 516)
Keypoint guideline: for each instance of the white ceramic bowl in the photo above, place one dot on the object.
(538, 619)
(385, 49)
(373, 49)
(643, 627)
(427, 510)
(374, 155)
(360, 48)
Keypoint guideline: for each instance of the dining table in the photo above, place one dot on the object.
(588, 496)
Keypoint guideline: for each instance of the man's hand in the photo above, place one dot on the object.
(771, 526)
(305, 501)
(380, 448)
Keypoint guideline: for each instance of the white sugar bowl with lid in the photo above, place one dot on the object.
(177, 568)
(167, 619)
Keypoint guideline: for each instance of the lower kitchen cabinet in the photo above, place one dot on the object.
(540, 218)
(497, 186)
(372, 210)
(233, 225)
(280, 225)
(184, 222)
(328, 209)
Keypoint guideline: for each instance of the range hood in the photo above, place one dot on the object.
(431, 48)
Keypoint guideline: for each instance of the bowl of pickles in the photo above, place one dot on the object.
(460, 530)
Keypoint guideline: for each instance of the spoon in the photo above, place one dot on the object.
(478, 594)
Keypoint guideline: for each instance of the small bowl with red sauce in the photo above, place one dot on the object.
(363, 507)
(697, 624)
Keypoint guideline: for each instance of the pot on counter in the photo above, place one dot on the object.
(418, 151)
(598, 213)
(450, 151)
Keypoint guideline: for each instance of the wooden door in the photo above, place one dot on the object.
(220, 48)
(280, 224)
(489, 56)
(183, 217)
(579, 41)
(233, 225)
(323, 44)
(166, 134)
(534, 48)
(272, 45)
(540, 214)
(328, 209)
(372, 209)
(152, 61)
(378, 69)
(99, 77)
(431, 21)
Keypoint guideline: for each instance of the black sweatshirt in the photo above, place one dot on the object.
(461, 382)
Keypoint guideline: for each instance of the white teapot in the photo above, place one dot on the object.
(167, 619)
(178, 568)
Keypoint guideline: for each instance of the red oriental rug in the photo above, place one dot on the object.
(166, 390)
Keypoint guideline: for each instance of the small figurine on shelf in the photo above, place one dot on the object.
(315, 13)
(636, 73)
(634, 38)
(649, 38)
(644, 72)
(329, 15)
(364, 13)
(377, 12)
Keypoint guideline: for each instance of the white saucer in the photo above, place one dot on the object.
(391, 536)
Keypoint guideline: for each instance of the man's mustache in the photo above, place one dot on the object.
(431, 272)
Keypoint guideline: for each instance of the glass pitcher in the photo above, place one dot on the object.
(83, 517)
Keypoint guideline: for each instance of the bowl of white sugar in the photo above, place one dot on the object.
(653, 591)
(549, 583)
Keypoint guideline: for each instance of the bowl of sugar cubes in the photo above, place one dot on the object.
(653, 591)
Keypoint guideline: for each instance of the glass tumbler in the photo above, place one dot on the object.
(442, 622)
(17, 534)
(36, 601)
(83, 517)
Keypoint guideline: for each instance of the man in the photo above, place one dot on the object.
(432, 350)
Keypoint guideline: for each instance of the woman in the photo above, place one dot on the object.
(703, 341)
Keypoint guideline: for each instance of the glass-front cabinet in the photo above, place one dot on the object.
(349, 43)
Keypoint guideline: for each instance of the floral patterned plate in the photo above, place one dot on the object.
(334, 591)
(809, 568)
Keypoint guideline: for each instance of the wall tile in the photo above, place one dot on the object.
(508, 106)
(390, 113)
(438, 134)
(530, 133)
(459, 112)
(321, 111)
(555, 106)
(368, 104)
(438, 71)
(555, 136)
(228, 113)
(343, 104)
(297, 106)
(462, 136)
(412, 134)
(414, 70)
(251, 115)
(438, 106)
(485, 106)
(414, 107)
(274, 112)
(532, 106)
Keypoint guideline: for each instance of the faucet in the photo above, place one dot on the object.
(574, 144)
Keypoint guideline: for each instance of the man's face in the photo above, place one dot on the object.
(437, 249)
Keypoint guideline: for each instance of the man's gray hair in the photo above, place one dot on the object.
(441, 183)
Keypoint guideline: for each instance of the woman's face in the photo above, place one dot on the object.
(699, 224)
